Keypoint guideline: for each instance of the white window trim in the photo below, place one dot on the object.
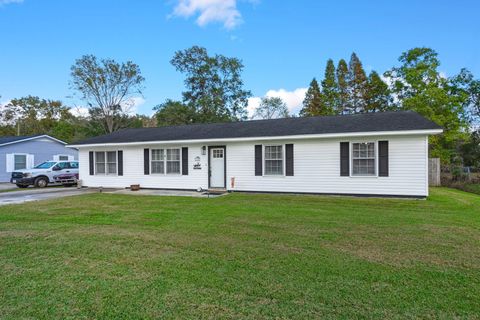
(375, 142)
(106, 163)
(283, 160)
(62, 155)
(165, 161)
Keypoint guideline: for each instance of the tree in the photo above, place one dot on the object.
(329, 90)
(173, 112)
(419, 86)
(214, 87)
(32, 115)
(342, 81)
(470, 150)
(312, 104)
(108, 87)
(378, 97)
(357, 82)
(271, 108)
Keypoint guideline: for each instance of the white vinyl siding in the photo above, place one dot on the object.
(317, 168)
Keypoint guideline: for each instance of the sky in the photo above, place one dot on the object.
(282, 43)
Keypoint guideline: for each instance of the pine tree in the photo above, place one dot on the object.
(312, 104)
(342, 82)
(357, 82)
(378, 96)
(329, 90)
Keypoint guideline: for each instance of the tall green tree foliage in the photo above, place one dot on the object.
(343, 87)
(419, 86)
(378, 97)
(329, 90)
(173, 112)
(108, 88)
(357, 84)
(271, 108)
(214, 87)
(32, 115)
(312, 103)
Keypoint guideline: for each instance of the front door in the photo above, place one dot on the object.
(217, 167)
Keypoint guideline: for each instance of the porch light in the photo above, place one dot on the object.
(204, 150)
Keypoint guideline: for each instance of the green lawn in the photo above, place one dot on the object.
(241, 256)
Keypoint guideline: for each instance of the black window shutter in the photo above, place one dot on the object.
(258, 160)
(344, 159)
(383, 158)
(90, 163)
(120, 162)
(146, 161)
(185, 161)
(289, 159)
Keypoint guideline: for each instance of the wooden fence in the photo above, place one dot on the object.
(434, 172)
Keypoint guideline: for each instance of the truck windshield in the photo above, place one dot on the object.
(45, 165)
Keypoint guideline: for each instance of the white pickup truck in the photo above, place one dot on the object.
(44, 174)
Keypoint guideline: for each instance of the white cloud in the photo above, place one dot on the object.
(79, 111)
(222, 11)
(293, 99)
(4, 2)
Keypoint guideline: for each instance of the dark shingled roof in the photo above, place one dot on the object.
(9, 139)
(370, 122)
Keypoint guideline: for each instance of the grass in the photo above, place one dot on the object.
(241, 256)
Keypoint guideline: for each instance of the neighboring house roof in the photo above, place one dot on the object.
(6, 140)
(344, 124)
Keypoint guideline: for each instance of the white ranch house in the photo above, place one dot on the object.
(366, 154)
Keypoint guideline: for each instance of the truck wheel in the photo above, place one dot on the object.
(22, 186)
(41, 182)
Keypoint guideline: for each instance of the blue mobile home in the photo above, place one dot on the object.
(25, 152)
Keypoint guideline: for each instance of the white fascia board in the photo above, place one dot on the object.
(292, 137)
(33, 138)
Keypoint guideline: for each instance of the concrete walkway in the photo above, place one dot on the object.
(156, 192)
(7, 186)
(31, 194)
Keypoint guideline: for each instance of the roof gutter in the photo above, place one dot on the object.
(290, 137)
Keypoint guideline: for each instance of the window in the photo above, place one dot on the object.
(217, 153)
(106, 162)
(73, 165)
(100, 162)
(165, 161)
(45, 165)
(20, 161)
(62, 158)
(173, 160)
(62, 165)
(158, 161)
(273, 160)
(363, 159)
(111, 162)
